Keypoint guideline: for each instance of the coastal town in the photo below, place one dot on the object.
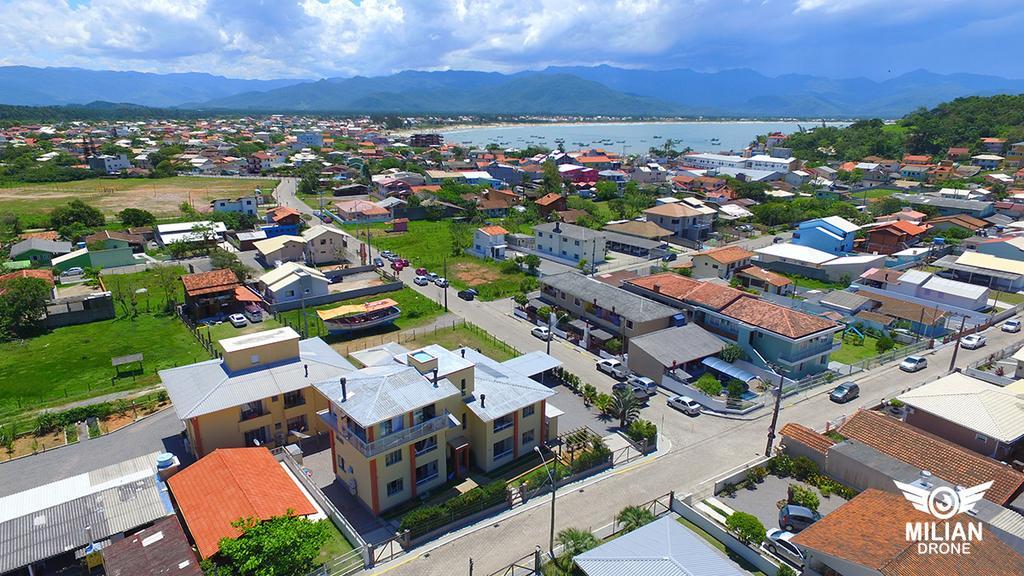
(397, 345)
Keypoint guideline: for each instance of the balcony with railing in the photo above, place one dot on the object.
(370, 449)
(801, 355)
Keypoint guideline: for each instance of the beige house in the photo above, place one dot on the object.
(260, 393)
(281, 249)
(409, 421)
(325, 245)
(720, 262)
(292, 281)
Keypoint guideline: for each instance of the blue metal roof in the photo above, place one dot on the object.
(728, 369)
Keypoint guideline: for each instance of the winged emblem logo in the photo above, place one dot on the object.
(943, 502)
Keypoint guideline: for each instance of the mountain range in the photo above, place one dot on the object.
(587, 91)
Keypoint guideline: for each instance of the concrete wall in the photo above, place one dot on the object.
(59, 313)
(326, 248)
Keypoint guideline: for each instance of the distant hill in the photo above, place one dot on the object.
(24, 85)
(597, 90)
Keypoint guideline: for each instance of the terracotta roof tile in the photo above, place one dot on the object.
(870, 530)
(549, 198)
(766, 275)
(229, 484)
(493, 230)
(208, 282)
(727, 254)
(689, 290)
(952, 463)
(778, 319)
(807, 437)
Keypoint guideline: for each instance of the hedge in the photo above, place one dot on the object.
(425, 518)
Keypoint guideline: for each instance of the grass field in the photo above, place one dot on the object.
(871, 194)
(428, 245)
(852, 351)
(462, 335)
(813, 283)
(73, 362)
(417, 310)
(336, 546)
(161, 196)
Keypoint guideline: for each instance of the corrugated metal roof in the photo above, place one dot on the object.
(506, 389)
(207, 387)
(662, 548)
(626, 304)
(679, 344)
(973, 404)
(532, 363)
(379, 393)
(51, 519)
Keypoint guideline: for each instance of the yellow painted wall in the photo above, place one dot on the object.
(266, 354)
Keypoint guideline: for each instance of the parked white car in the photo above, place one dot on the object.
(1011, 326)
(643, 382)
(421, 281)
(609, 365)
(237, 320)
(685, 404)
(542, 332)
(972, 341)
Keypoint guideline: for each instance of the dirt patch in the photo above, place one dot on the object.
(474, 274)
(30, 444)
(116, 422)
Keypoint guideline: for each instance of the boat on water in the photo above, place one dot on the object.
(356, 317)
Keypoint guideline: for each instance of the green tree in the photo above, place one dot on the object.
(884, 343)
(281, 546)
(746, 527)
(222, 259)
(22, 306)
(735, 388)
(135, 217)
(532, 262)
(461, 237)
(74, 231)
(633, 517)
(731, 353)
(574, 542)
(76, 212)
(551, 182)
(625, 407)
(709, 385)
(10, 225)
(607, 190)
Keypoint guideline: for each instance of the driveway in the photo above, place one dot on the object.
(761, 501)
(160, 432)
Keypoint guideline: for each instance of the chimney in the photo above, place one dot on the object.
(483, 400)
(657, 288)
(558, 226)
(435, 377)
(344, 389)
(463, 352)
(306, 368)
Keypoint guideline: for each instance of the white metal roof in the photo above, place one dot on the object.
(796, 252)
(244, 341)
(378, 393)
(973, 404)
(841, 223)
(506, 390)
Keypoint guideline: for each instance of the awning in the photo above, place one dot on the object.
(728, 369)
(243, 294)
(532, 363)
(602, 335)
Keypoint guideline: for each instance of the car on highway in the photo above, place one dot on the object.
(637, 380)
(441, 282)
(913, 363)
(778, 543)
(793, 518)
(468, 294)
(541, 332)
(1011, 326)
(972, 341)
(238, 320)
(684, 404)
(421, 280)
(844, 392)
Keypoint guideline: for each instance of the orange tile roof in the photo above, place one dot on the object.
(45, 235)
(870, 530)
(807, 437)
(778, 319)
(952, 463)
(282, 212)
(727, 254)
(689, 290)
(548, 198)
(493, 230)
(209, 282)
(905, 227)
(766, 276)
(229, 484)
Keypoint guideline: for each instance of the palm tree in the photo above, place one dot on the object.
(633, 517)
(574, 542)
(625, 407)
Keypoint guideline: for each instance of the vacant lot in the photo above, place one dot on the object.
(161, 196)
(429, 245)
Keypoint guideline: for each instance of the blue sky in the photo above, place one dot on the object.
(320, 38)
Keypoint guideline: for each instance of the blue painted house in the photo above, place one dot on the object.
(831, 234)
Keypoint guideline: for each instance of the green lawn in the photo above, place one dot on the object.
(462, 335)
(417, 310)
(721, 547)
(1007, 297)
(73, 363)
(161, 196)
(877, 193)
(851, 352)
(429, 245)
(155, 293)
(813, 283)
(336, 546)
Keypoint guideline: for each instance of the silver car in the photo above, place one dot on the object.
(685, 404)
(778, 543)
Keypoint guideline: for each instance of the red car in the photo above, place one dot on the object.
(402, 262)
(421, 271)
(397, 266)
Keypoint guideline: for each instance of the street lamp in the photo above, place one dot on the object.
(775, 413)
(551, 538)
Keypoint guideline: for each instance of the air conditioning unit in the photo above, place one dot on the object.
(352, 486)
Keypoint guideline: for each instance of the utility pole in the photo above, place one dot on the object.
(775, 413)
(551, 536)
(956, 347)
(444, 270)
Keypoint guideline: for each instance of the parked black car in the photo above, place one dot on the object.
(793, 518)
(844, 392)
(468, 294)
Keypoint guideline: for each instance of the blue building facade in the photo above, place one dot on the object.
(831, 234)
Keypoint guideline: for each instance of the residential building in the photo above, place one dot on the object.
(771, 163)
(984, 270)
(993, 145)
(767, 333)
(409, 421)
(663, 547)
(260, 393)
(200, 232)
(949, 206)
(361, 211)
(963, 221)
(686, 222)
(868, 535)
(325, 245)
(284, 216)
(217, 293)
(709, 161)
(244, 205)
(634, 246)
(622, 314)
(813, 263)
(39, 251)
(569, 243)
(489, 242)
(549, 203)
(278, 249)
(109, 239)
(233, 483)
(426, 140)
(109, 163)
(152, 551)
(970, 412)
(892, 237)
(987, 161)
(292, 282)
(830, 234)
(764, 280)
(679, 348)
(720, 262)
(311, 139)
(930, 289)
(641, 229)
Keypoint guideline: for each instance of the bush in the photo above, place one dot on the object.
(642, 432)
(731, 353)
(884, 344)
(614, 345)
(746, 527)
(804, 468)
(423, 519)
(709, 385)
(785, 570)
(736, 388)
(757, 474)
(781, 466)
(803, 497)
